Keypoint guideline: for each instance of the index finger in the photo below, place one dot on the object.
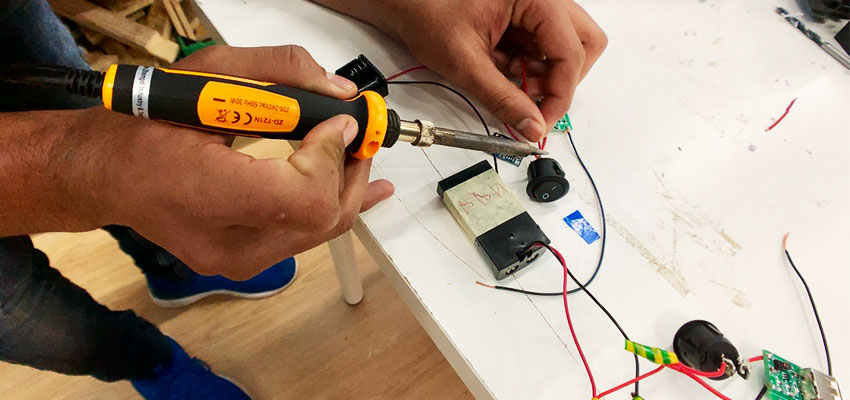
(550, 23)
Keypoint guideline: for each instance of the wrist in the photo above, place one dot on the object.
(77, 165)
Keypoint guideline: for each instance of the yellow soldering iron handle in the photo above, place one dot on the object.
(239, 106)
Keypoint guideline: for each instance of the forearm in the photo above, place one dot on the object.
(37, 181)
(379, 13)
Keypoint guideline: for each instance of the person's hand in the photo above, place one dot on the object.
(218, 210)
(476, 43)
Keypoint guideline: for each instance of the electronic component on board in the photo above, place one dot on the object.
(492, 218)
(788, 381)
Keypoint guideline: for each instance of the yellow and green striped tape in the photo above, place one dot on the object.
(654, 354)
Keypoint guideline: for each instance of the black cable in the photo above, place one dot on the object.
(601, 307)
(604, 229)
(462, 96)
(761, 393)
(815, 309)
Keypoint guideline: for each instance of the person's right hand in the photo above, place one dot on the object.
(218, 210)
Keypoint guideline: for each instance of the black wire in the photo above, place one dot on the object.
(761, 393)
(604, 229)
(598, 304)
(462, 96)
(815, 309)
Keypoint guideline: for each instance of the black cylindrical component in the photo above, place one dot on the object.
(365, 75)
(701, 346)
(393, 128)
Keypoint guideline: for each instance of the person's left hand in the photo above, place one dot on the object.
(478, 44)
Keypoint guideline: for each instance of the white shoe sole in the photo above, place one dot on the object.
(185, 301)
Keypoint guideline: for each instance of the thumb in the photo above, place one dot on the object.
(504, 99)
(301, 193)
(322, 151)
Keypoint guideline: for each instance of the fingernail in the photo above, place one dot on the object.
(341, 82)
(350, 131)
(530, 127)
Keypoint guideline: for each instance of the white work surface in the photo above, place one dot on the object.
(671, 122)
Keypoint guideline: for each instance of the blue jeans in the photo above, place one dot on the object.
(46, 321)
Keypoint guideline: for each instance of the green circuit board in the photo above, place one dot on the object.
(563, 124)
(782, 378)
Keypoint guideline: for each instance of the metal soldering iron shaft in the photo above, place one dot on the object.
(424, 133)
(487, 144)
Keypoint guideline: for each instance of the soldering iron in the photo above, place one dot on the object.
(247, 107)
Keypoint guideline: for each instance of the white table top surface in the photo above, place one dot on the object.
(671, 122)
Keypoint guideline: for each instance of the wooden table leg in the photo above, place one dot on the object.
(342, 252)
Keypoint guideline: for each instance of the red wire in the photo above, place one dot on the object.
(638, 379)
(701, 382)
(676, 367)
(407, 71)
(756, 358)
(540, 145)
(782, 116)
(714, 374)
(510, 131)
(569, 320)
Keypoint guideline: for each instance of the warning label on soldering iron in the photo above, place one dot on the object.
(225, 105)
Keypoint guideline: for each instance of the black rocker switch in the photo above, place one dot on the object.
(546, 182)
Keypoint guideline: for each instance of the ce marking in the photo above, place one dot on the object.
(237, 117)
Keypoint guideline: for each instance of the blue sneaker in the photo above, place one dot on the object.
(187, 378)
(193, 287)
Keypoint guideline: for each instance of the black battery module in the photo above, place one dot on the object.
(492, 218)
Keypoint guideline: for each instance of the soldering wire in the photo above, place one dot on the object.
(459, 94)
(812, 301)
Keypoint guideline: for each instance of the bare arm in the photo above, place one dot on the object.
(38, 197)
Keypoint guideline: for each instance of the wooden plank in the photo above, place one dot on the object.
(99, 61)
(93, 37)
(157, 19)
(117, 27)
(202, 33)
(181, 15)
(136, 16)
(133, 6)
(124, 7)
(175, 21)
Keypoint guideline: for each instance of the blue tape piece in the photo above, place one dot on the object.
(582, 227)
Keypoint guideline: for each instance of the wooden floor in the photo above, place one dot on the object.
(304, 343)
